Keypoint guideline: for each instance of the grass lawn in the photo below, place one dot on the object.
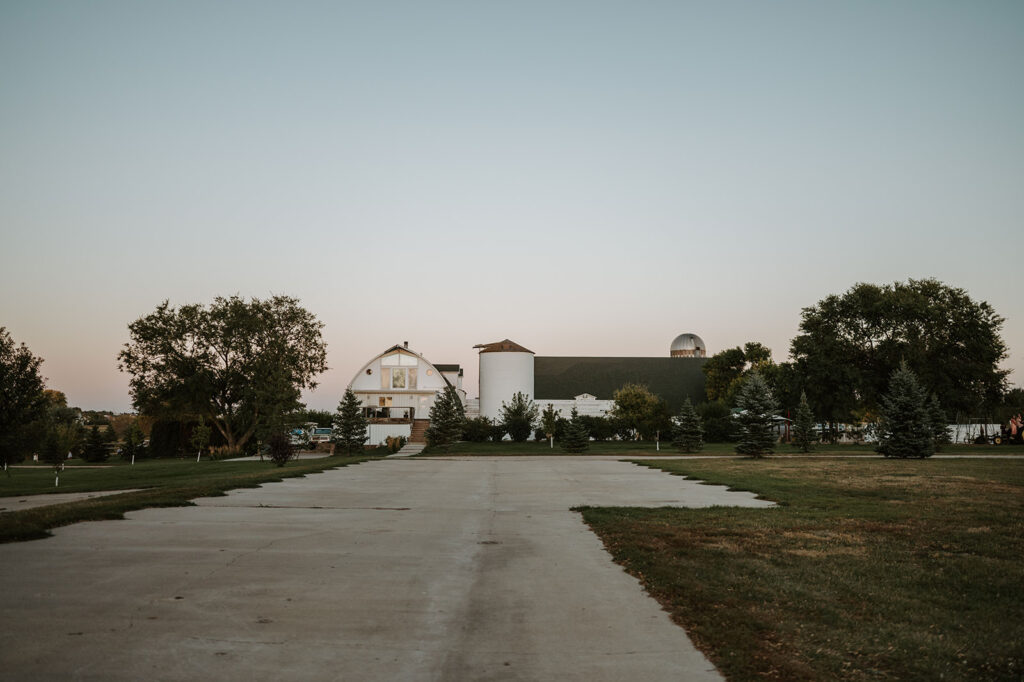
(166, 483)
(646, 449)
(869, 569)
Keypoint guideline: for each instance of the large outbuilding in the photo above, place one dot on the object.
(398, 387)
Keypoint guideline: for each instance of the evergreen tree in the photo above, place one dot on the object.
(350, 424)
(95, 449)
(549, 421)
(940, 427)
(757, 436)
(518, 417)
(688, 434)
(803, 425)
(447, 416)
(905, 428)
(576, 438)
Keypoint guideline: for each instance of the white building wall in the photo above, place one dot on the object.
(378, 433)
(502, 375)
(367, 383)
(586, 406)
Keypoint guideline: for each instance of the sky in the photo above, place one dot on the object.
(585, 178)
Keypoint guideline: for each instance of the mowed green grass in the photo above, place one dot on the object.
(164, 483)
(647, 449)
(869, 569)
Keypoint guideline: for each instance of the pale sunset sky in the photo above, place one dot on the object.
(586, 178)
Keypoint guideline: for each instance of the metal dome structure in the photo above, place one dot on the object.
(688, 346)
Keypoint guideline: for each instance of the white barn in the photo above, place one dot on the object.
(397, 389)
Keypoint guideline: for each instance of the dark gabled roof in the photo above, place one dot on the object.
(505, 346)
(447, 368)
(673, 379)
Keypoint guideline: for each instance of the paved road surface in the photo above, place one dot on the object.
(390, 570)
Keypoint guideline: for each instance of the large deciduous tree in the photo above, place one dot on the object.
(239, 364)
(639, 412)
(725, 371)
(849, 346)
(22, 401)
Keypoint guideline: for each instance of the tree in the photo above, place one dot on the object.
(849, 346)
(200, 437)
(636, 410)
(905, 428)
(350, 424)
(133, 443)
(22, 402)
(280, 448)
(724, 371)
(447, 416)
(758, 408)
(576, 438)
(688, 435)
(549, 421)
(803, 425)
(519, 417)
(95, 449)
(240, 364)
(64, 423)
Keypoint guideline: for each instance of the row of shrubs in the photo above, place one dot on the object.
(719, 427)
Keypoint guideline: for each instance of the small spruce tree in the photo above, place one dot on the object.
(350, 424)
(688, 433)
(447, 416)
(937, 417)
(95, 449)
(758, 407)
(803, 425)
(905, 427)
(576, 438)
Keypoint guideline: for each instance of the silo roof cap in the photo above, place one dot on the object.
(506, 346)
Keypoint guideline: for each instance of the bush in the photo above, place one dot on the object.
(599, 428)
(477, 430)
(518, 417)
(395, 443)
(281, 448)
(497, 433)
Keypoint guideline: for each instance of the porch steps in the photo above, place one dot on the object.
(419, 431)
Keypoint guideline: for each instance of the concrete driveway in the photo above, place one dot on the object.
(390, 570)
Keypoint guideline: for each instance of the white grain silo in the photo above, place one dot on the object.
(505, 369)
